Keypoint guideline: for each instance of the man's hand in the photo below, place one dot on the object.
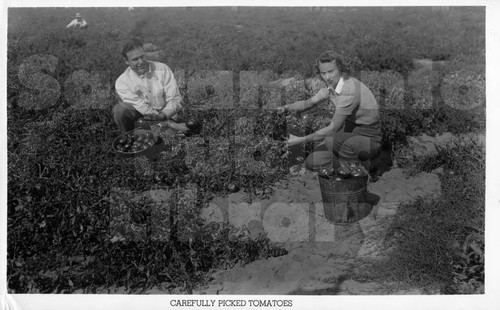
(151, 117)
(322, 94)
(162, 116)
(294, 140)
(176, 126)
(181, 126)
(156, 117)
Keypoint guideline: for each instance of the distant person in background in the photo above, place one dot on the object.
(147, 89)
(354, 134)
(78, 22)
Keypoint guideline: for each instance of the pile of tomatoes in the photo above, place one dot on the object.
(164, 178)
(135, 141)
(353, 170)
(194, 125)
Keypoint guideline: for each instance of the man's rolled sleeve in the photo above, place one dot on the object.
(173, 97)
(128, 96)
(172, 108)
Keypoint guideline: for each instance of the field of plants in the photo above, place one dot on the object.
(426, 68)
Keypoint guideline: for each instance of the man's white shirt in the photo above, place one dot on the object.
(75, 23)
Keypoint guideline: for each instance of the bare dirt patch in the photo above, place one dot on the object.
(321, 256)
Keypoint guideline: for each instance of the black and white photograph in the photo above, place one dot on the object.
(239, 156)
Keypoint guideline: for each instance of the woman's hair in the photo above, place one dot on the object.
(329, 56)
(130, 45)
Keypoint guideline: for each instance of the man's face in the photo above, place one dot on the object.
(329, 72)
(137, 61)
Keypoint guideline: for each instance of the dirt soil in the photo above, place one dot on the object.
(321, 256)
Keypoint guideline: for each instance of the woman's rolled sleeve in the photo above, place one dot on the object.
(344, 104)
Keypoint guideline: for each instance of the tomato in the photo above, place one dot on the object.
(194, 126)
(193, 123)
(233, 188)
(342, 172)
(168, 179)
(324, 173)
(139, 137)
(358, 171)
(122, 140)
(356, 174)
(268, 190)
(158, 178)
(331, 172)
(338, 178)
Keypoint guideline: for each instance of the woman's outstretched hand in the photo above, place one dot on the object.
(281, 109)
(294, 140)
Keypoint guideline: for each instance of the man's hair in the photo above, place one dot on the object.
(130, 45)
(329, 56)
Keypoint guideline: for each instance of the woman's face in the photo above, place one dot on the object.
(329, 72)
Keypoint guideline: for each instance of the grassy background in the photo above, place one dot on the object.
(252, 38)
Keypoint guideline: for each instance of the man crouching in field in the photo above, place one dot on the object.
(147, 89)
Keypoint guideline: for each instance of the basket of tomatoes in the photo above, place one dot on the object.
(343, 191)
(135, 142)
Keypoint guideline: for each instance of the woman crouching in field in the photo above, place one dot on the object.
(354, 134)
